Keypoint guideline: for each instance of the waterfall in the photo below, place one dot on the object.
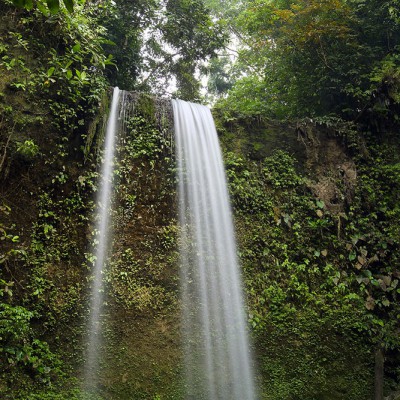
(103, 239)
(216, 345)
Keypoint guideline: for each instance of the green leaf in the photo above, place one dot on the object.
(378, 321)
(352, 256)
(76, 48)
(109, 61)
(69, 5)
(42, 8)
(54, 6)
(50, 71)
(29, 4)
(107, 41)
(19, 3)
(368, 273)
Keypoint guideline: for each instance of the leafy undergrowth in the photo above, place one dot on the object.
(319, 246)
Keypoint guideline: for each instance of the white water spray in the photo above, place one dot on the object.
(218, 365)
(103, 238)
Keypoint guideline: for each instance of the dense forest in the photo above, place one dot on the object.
(306, 99)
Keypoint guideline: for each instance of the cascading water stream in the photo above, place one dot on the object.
(217, 356)
(103, 238)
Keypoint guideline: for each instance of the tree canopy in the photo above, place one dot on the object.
(314, 58)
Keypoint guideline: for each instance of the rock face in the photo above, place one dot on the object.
(50, 206)
(279, 204)
(291, 186)
(321, 153)
(142, 349)
(332, 172)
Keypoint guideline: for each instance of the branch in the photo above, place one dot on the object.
(323, 55)
(5, 150)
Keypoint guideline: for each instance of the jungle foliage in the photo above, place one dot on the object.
(319, 263)
(315, 58)
(160, 46)
(319, 244)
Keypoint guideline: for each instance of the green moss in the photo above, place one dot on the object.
(143, 356)
(312, 330)
(145, 106)
(97, 126)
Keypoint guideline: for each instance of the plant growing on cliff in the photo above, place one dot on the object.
(45, 7)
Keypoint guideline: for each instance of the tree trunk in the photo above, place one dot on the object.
(379, 364)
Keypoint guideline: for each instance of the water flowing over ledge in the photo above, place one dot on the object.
(218, 365)
(217, 356)
(103, 239)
